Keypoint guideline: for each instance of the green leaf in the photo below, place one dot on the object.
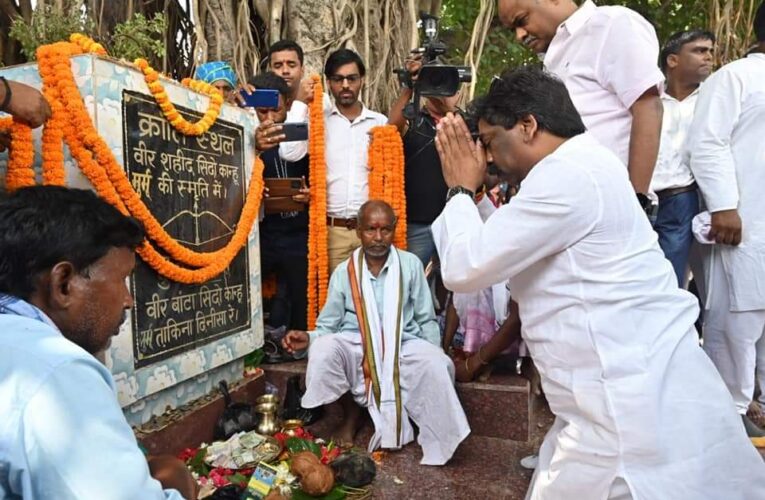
(296, 445)
(337, 493)
(197, 463)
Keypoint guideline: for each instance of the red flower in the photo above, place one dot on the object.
(188, 453)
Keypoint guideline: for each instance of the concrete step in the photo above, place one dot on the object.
(500, 407)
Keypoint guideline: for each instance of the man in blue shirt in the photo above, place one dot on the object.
(65, 256)
(376, 342)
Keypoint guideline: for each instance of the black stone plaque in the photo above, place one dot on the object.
(195, 188)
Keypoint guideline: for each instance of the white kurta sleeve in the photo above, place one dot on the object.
(78, 443)
(556, 206)
(296, 151)
(718, 109)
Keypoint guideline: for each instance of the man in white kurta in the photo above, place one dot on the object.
(640, 410)
(727, 156)
(377, 338)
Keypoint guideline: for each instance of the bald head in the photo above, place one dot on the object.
(535, 21)
(376, 227)
(375, 206)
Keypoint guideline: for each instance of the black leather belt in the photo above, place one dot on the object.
(666, 193)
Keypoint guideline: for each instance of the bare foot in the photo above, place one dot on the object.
(345, 433)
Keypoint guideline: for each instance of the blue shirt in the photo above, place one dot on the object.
(62, 431)
(339, 313)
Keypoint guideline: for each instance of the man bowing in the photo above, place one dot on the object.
(376, 342)
(640, 411)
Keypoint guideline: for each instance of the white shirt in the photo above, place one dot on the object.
(346, 146)
(606, 57)
(610, 332)
(672, 170)
(726, 147)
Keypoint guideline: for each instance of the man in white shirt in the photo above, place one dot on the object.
(606, 57)
(640, 410)
(726, 144)
(686, 60)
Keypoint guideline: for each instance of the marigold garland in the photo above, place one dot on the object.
(53, 170)
(168, 109)
(318, 257)
(386, 175)
(20, 171)
(108, 178)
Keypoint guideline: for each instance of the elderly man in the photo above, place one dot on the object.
(727, 158)
(640, 410)
(377, 339)
(65, 257)
(606, 56)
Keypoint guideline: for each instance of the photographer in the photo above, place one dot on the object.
(424, 182)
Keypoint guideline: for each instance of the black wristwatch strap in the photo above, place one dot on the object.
(8, 94)
(453, 191)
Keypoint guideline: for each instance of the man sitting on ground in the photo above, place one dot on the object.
(377, 298)
(65, 257)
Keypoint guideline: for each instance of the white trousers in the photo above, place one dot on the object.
(732, 339)
(427, 388)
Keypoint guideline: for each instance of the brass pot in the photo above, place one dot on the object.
(290, 427)
(269, 420)
(267, 398)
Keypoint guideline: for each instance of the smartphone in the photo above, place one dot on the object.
(295, 131)
(261, 98)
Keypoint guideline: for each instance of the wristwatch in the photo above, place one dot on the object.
(646, 204)
(453, 191)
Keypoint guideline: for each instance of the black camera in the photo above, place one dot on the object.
(434, 78)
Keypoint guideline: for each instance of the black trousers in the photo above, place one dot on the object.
(287, 256)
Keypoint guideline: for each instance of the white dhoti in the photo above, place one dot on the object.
(427, 388)
(732, 338)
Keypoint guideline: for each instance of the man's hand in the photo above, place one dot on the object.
(726, 227)
(304, 196)
(305, 91)
(268, 135)
(27, 104)
(238, 98)
(463, 161)
(295, 340)
(172, 473)
(413, 64)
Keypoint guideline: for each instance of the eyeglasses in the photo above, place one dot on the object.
(342, 78)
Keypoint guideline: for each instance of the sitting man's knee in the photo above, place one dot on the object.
(326, 346)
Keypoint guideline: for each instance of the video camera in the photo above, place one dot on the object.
(434, 78)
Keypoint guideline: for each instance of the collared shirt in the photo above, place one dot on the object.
(606, 57)
(672, 170)
(346, 146)
(339, 312)
(62, 431)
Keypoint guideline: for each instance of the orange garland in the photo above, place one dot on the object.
(108, 178)
(53, 133)
(20, 172)
(318, 257)
(173, 116)
(386, 175)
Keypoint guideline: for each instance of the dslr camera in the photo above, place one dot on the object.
(434, 78)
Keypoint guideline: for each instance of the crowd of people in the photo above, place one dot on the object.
(624, 170)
